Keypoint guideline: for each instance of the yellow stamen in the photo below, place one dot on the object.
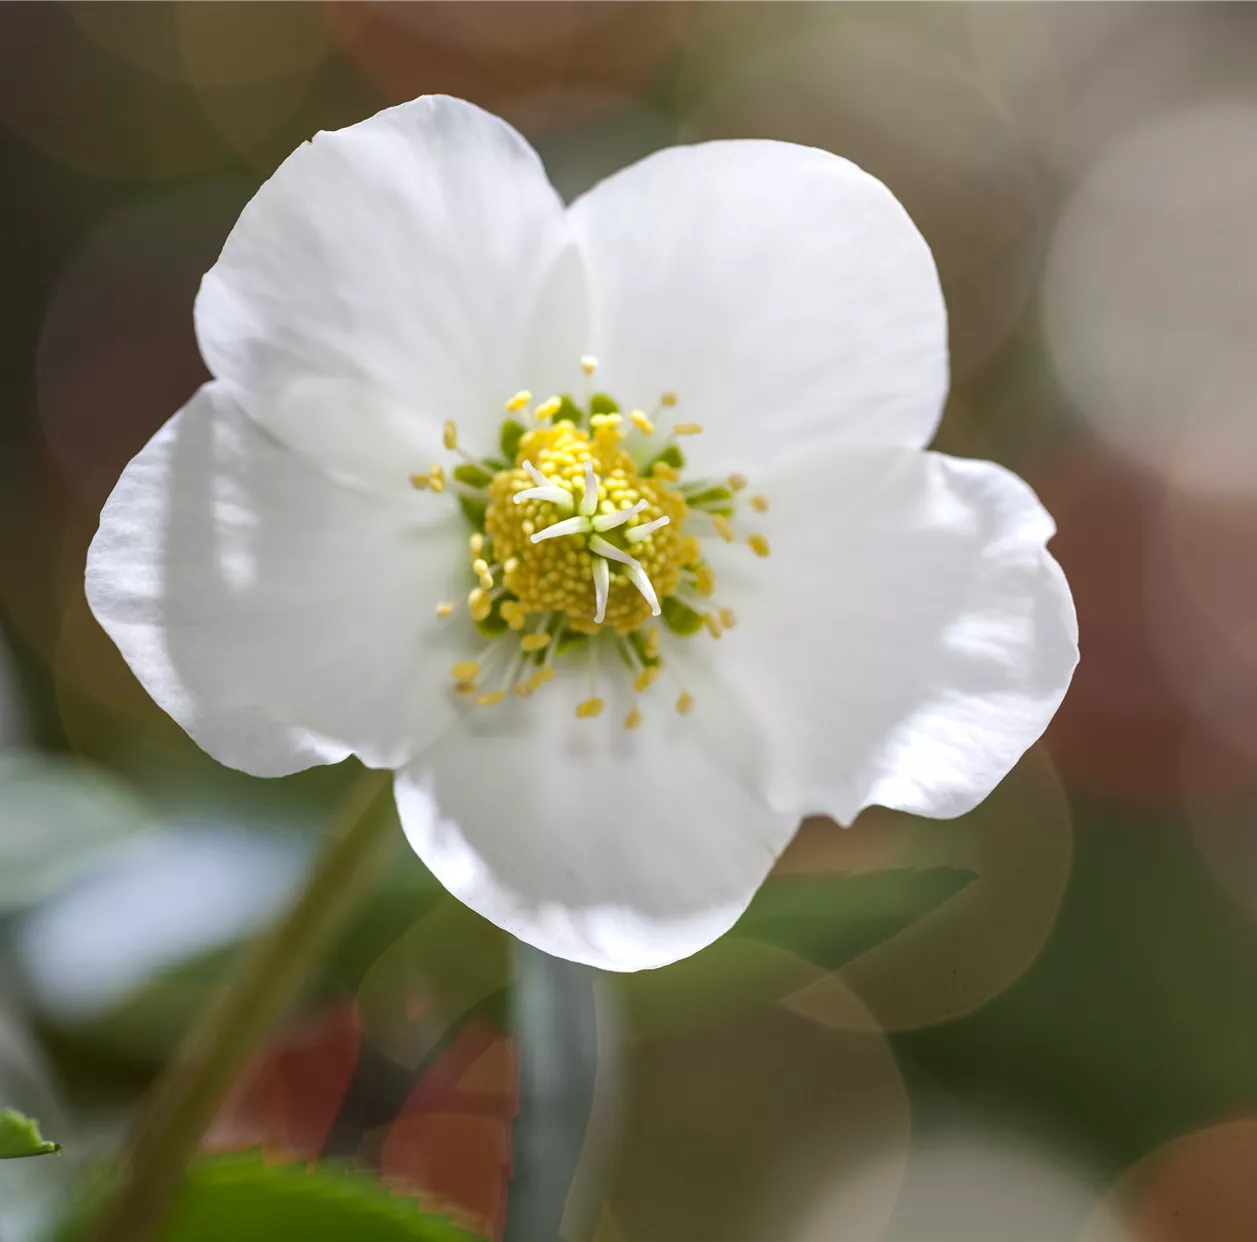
(661, 470)
(588, 364)
(705, 579)
(479, 603)
(465, 687)
(476, 543)
(510, 565)
(759, 504)
(486, 581)
(728, 618)
(641, 422)
(737, 482)
(541, 677)
(491, 699)
(685, 702)
(522, 688)
(479, 566)
(688, 429)
(547, 409)
(712, 622)
(449, 435)
(465, 670)
(518, 401)
(444, 608)
(419, 480)
(724, 527)
(667, 399)
(633, 720)
(598, 421)
(643, 681)
(436, 478)
(589, 708)
(759, 545)
(652, 642)
(534, 642)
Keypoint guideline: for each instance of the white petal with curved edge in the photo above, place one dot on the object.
(412, 254)
(282, 619)
(624, 850)
(908, 637)
(781, 292)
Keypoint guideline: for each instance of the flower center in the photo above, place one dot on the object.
(583, 532)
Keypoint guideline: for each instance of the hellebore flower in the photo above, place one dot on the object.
(609, 528)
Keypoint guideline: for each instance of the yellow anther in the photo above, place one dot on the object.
(510, 565)
(728, 618)
(759, 504)
(419, 480)
(465, 670)
(449, 435)
(479, 566)
(479, 604)
(724, 527)
(641, 422)
(541, 677)
(534, 642)
(643, 681)
(599, 421)
(705, 579)
(436, 478)
(588, 363)
(486, 581)
(661, 470)
(476, 543)
(518, 401)
(759, 545)
(633, 720)
(444, 608)
(667, 399)
(465, 687)
(685, 702)
(589, 708)
(547, 409)
(737, 482)
(490, 699)
(687, 429)
(712, 622)
(522, 689)
(582, 626)
(652, 642)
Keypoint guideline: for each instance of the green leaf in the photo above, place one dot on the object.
(20, 1136)
(600, 403)
(508, 441)
(472, 476)
(831, 919)
(679, 617)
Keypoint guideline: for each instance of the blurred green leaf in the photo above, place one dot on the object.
(796, 930)
(831, 919)
(20, 1136)
(58, 814)
(248, 1201)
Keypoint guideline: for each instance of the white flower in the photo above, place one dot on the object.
(287, 566)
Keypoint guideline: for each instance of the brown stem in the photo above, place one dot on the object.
(185, 1101)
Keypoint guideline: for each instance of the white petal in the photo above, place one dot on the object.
(282, 619)
(783, 294)
(409, 254)
(625, 850)
(909, 636)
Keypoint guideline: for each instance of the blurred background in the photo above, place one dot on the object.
(1038, 1021)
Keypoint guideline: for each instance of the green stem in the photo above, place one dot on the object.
(191, 1091)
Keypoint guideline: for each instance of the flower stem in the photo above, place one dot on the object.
(188, 1096)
